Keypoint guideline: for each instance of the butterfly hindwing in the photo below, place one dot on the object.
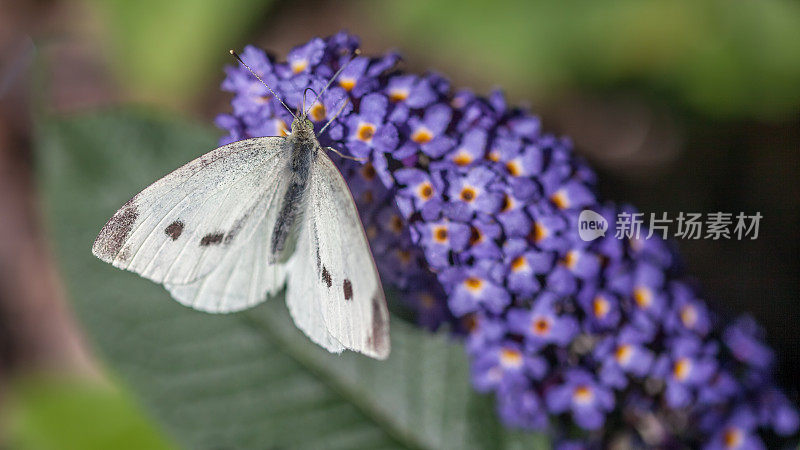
(334, 265)
(243, 277)
(303, 297)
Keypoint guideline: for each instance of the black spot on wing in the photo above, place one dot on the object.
(348, 289)
(316, 245)
(237, 226)
(377, 339)
(112, 237)
(174, 230)
(326, 276)
(211, 239)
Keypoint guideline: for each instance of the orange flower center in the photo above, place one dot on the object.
(623, 353)
(519, 264)
(538, 232)
(368, 171)
(475, 236)
(470, 322)
(398, 95)
(689, 316)
(559, 198)
(317, 112)
(462, 158)
(601, 307)
(583, 394)
(642, 297)
(514, 168)
(541, 326)
(422, 135)
(473, 283)
(404, 256)
(396, 224)
(282, 129)
(440, 234)
(368, 196)
(733, 437)
(347, 83)
(299, 66)
(365, 131)
(425, 191)
(682, 368)
(508, 203)
(570, 259)
(510, 357)
(468, 194)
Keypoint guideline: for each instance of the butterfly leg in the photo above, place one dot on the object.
(331, 149)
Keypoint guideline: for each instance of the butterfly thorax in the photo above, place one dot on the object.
(304, 147)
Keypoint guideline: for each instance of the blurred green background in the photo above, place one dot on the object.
(680, 105)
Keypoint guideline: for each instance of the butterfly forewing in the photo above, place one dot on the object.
(339, 267)
(180, 228)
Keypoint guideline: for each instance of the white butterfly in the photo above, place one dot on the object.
(229, 229)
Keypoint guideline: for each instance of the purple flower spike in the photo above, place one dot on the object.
(472, 215)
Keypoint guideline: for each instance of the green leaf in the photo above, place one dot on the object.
(245, 380)
(69, 414)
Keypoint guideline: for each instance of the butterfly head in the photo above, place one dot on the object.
(302, 126)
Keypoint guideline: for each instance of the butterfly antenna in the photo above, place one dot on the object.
(341, 108)
(236, 55)
(356, 52)
(304, 99)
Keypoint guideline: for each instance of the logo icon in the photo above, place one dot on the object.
(591, 225)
